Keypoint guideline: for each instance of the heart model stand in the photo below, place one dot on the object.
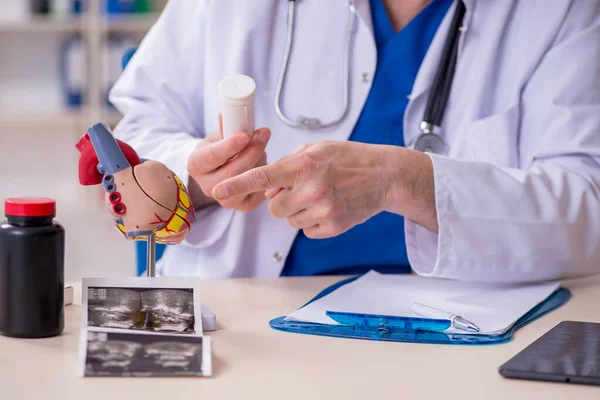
(145, 198)
(151, 256)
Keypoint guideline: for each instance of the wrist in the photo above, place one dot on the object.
(410, 187)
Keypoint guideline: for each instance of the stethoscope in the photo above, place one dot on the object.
(429, 139)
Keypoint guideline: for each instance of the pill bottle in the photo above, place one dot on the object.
(237, 104)
(31, 269)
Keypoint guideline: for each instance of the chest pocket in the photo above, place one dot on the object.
(492, 139)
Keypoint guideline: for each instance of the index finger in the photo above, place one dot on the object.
(279, 174)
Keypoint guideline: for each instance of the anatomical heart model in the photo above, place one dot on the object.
(144, 197)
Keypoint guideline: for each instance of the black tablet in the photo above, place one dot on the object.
(569, 352)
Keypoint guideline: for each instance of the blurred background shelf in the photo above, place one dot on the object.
(43, 24)
(40, 119)
(130, 24)
(112, 118)
(56, 69)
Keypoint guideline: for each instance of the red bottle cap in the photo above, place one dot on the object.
(30, 207)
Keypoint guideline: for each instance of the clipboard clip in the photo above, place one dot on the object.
(388, 324)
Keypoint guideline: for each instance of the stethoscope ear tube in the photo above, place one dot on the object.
(442, 82)
(302, 122)
(428, 140)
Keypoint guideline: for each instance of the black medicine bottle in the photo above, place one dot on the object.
(31, 269)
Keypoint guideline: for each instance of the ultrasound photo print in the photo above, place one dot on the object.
(131, 354)
(148, 309)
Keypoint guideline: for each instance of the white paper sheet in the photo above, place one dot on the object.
(492, 307)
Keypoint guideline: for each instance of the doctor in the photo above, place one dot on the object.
(460, 138)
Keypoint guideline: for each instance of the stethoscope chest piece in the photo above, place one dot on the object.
(430, 143)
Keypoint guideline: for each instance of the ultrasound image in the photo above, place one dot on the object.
(114, 308)
(116, 354)
(168, 310)
(150, 309)
(129, 354)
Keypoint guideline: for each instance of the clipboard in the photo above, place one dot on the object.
(388, 330)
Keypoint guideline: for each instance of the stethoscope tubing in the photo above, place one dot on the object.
(309, 123)
(428, 140)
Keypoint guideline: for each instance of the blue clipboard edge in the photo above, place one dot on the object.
(554, 301)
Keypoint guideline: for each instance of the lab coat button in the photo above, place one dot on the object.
(277, 256)
(366, 77)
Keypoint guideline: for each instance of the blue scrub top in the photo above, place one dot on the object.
(378, 243)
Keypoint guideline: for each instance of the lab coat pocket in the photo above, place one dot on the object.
(493, 139)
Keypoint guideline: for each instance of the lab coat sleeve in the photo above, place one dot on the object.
(541, 221)
(160, 94)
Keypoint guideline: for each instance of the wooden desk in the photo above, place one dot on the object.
(252, 361)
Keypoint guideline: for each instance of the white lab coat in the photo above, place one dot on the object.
(517, 196)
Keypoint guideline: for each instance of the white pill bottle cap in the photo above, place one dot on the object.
(237, 104)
